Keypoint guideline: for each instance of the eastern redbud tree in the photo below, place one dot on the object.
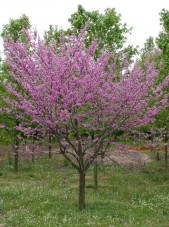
(74, 96)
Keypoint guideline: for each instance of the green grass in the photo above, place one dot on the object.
(46, 194)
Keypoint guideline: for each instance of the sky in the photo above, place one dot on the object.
(142, 15)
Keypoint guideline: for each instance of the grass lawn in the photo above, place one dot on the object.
(46, 194)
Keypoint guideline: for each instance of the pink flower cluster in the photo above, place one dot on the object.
(66, 90)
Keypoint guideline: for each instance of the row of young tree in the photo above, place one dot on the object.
(80, 85)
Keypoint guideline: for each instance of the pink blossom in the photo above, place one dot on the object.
(2, 126)
(68, 93)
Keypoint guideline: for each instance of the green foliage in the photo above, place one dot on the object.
(164, 19)
(14, 28)
(149, 46)
(161, 43)
(148, 52)
(106, 28)
(6, 135)
(53, 34)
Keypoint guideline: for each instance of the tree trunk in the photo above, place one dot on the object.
(95, 170)
(16, 156)
(166, 154)
(166, 148)
(16, 150)
(152, 141)
(10, 159)
(81, 190)
(33, 150)
(157, 156)
(33, 157)
(50, 147)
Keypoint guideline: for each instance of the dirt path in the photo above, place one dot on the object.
(124, 155)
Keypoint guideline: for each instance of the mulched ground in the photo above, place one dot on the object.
(122, 155)
(127, 156)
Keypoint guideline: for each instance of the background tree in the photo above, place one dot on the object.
(106, 28)
(13, 30)
(161, 43)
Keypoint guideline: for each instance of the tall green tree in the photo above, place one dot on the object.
(12, 30)
(149, 46)
(106, 28)
(161, 43)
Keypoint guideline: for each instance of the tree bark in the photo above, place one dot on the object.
(166, 148)
(95, 170)
(166, 154)
(33, 150)
(81, 190)
(50, 146)
(16, 150)
(152, 141)
(16, 156)
(157, 156)
(33, 157)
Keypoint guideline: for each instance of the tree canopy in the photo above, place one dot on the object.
(106, 28)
